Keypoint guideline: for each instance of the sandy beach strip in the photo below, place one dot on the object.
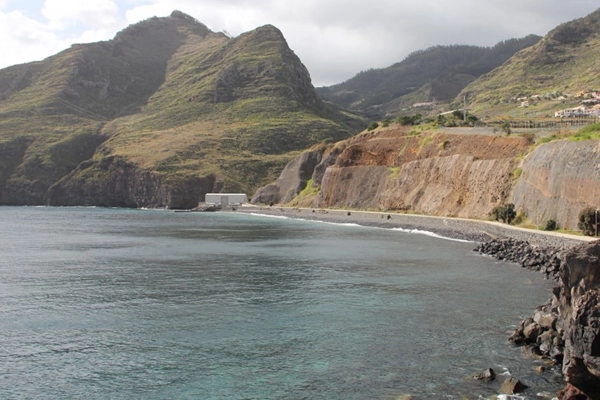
(454, 228)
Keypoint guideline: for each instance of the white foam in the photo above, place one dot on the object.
(510, 397)
(269, 216)
(428, 233)
(352, 224)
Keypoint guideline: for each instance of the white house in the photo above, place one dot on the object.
(226, 199)
(572, 112)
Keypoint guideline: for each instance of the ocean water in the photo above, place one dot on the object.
(134, 304)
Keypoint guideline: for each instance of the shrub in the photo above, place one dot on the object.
(385, 123)
(372, 126)
(520, 218)
(551, 225)
(516, 173)
(587, 221)
(409, 119)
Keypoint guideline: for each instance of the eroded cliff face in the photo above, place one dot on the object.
(456, 185)
(437, 174)
(459, 175)
(559, 179)
(578, 296)
(113, 182)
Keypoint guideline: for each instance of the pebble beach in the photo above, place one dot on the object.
(453, 228)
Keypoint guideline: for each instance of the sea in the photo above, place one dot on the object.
(99, 303)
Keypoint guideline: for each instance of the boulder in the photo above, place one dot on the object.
(487, 375)
(531, 332)
(512, 386)
(545, 320)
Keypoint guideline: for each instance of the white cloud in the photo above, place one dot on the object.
(334, 38)
(25, 39)
(90, 13)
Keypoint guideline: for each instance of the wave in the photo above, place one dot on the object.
(429, 233)
(353, 224)
(269, 216)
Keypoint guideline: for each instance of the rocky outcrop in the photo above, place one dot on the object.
(292, 180)
(567, 328)
(559, 179)
(112, 182)
(544, 259)
(579, 300)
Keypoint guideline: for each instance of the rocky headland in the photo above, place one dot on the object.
(565, 330)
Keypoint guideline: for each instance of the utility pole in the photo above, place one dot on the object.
(465, 108)
(596, 224)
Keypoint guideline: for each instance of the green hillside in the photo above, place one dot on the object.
(562, 64)
(166, 97)
(438, 73)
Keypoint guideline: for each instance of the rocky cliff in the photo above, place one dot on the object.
(565, 330)
(559, 179)
(578, 297)
(432, 173)
(462, 175)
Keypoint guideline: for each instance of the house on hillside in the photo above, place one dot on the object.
(430, 104)
(572, 112)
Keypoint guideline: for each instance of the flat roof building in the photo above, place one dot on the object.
(226, 199)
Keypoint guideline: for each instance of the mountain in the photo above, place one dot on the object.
(562, 64)
(436, 74)
(158, 116)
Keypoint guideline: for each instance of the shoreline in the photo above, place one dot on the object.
(447, 227)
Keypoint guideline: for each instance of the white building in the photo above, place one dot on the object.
(226, 199)
(572, 112)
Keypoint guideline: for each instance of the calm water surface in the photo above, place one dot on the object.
(133, 304)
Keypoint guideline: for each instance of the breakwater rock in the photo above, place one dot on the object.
(567, 328)
(545, 259)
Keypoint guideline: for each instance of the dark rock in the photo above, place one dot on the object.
(531, 332)
(119, 183)
(486, 375)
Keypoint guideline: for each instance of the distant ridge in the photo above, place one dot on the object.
(565, 61)
(437, 73)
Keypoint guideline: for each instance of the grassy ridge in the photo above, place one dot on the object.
(564, 62)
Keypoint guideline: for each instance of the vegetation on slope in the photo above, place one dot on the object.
(439, 73)
(168, 96)
(564, 62)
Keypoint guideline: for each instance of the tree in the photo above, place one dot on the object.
(587, 221)
(505, 213)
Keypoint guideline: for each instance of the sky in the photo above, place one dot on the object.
(335, 39)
